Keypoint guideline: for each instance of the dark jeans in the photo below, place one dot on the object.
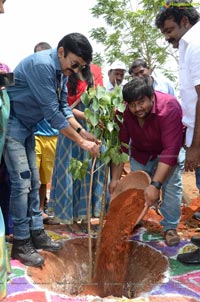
(5, 197)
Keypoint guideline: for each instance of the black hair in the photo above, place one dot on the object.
(176, 10)
(137, 63)
(43, 45)
(137, 89)
(74, 78)
(77, 44)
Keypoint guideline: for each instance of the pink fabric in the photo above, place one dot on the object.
(4, 67)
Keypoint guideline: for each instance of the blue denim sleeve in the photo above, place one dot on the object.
(63, 105)
(43, 85)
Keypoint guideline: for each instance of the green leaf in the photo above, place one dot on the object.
(95, 104)
(78, 169)
(121, 107)
(94, 119)
(105, 158)
(110, 126)
(85, 99)
(105, 100)
(87, 113)
(124, 157)
(100, 92)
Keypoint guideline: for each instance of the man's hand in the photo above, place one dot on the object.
(192, 160)
(112, 185)
(89, 136)
(91, 147)
(151, 195)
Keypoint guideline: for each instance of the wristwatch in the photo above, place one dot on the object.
(156, 184)
(79, 129)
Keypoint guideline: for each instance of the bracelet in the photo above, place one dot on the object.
(78, 130)
(156, 184)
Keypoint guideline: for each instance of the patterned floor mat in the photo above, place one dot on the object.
(182, 282)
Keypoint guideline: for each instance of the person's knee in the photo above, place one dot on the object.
(25, 174)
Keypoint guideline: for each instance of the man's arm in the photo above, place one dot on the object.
(85, 134)
(193, 152)
(171, 138)
(152, 192)
(85, 144)
(115, 177)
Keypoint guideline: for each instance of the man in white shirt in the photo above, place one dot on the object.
(179, 22)
(116, 75)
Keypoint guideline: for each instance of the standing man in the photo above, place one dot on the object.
(40, 92)
(139, 68)
(152, 124)
(116, 75)
(179, 23)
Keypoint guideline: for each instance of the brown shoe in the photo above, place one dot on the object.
(171, 237)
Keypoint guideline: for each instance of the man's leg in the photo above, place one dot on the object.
(171, 201)
(20, 177)
(38, 236)
(171, 195)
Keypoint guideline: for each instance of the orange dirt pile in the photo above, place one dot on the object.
(114, 247)
(187, 227)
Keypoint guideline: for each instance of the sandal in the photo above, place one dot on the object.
(74, 228)
(171, 237)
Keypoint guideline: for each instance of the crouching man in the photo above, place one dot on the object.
(152, 127)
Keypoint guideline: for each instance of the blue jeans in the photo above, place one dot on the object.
(171, 190)
(19, 155)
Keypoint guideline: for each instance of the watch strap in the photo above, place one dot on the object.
(156, 184)
(78, 130)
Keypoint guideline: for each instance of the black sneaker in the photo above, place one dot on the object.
(43, 241)
(24, 251)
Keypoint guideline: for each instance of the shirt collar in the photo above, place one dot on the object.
(191, 34)
(54, 55)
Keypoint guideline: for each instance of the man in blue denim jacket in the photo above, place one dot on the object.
(40, 92)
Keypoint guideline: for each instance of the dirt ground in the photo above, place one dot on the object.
(117, 230)
(189, 185)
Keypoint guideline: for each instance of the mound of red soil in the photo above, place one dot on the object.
(113, 265)
(187, 227)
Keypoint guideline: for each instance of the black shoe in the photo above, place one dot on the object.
(43, 241)
(24, 251)
(195, 240)
(196, 215)
(190, 258)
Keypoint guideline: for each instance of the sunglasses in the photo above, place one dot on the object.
(77, 65)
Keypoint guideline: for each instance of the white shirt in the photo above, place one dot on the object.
(109, 86)
(189, 77)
